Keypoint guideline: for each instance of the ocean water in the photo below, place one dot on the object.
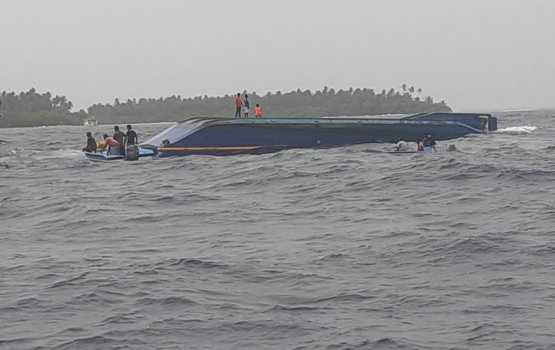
(344, 248)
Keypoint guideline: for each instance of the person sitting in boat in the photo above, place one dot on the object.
(91, 143)
(112, 144)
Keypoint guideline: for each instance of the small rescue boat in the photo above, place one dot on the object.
(103, 156)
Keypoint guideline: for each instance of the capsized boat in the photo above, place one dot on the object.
(226, 136)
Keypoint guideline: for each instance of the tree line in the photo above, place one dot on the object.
(32, 108)
(29, 108)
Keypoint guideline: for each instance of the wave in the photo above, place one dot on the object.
(303, 249)
(517, 110)
(380, 344)
(69, 280)
(296, 308)
(190, 262)
(517, 130)
(58, 154)
(172, 301)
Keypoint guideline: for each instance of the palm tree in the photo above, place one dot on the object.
(404, 87)
(63, 102)
(419, 90)
(56, 101)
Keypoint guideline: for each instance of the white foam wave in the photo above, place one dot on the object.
(518, 129)
(517, 110)
(58, 154)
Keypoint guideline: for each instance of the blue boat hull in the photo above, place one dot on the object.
(232, 136)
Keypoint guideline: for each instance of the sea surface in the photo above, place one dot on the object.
(344, 248)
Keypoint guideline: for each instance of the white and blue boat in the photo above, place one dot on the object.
(103, 156)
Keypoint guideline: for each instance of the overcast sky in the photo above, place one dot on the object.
(475, 54)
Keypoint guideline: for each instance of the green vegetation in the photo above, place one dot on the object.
(30, 108)
(33, 109)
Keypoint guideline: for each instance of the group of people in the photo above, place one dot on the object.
(244, 106)
(116, 144)
(426, 145)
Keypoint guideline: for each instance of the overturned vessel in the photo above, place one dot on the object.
(225, 136)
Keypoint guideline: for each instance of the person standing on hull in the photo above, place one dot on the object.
(238, 105)
(91, 144)
(257, 111)
(120, 138)
(247, 106)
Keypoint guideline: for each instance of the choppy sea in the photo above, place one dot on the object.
(343, 248)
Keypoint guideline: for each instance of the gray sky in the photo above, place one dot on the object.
(475, 54)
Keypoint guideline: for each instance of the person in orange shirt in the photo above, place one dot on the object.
(238, 105)
(257, 111)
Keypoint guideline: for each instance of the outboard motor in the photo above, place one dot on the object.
(132, 152)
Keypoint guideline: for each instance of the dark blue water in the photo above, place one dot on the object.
(342, 248)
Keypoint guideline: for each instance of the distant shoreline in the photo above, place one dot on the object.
(80, 126)
(32, 109)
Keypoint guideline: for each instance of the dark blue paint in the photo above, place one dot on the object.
(271, 135)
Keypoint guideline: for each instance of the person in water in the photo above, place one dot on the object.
(429, 144)
(112, 144)
(247, 106)
(132, 138)
(91, 143)
(120, 138)
(420, 146)
(238, 105)
(429, 141)
(257, 111)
